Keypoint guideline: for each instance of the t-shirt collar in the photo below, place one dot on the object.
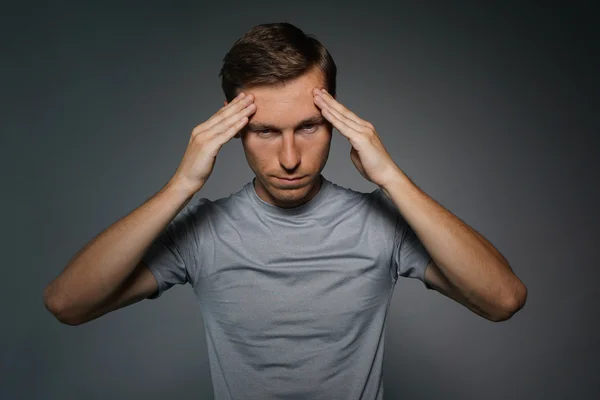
(293, 211)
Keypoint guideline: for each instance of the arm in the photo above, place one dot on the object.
(469, 267)
(465, 266)
(107, 273)
(437, 281)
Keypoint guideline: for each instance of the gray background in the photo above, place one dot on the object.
(490, 109)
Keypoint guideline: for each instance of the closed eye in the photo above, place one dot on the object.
(309, 127)
(306, 128)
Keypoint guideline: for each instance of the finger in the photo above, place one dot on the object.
(232, 130)
(237, 98)
(227, 105)
(339, 107)
(240, 99)
(231, 120)
(351, 123)
(235, 106)
(339, 124)
(216, 117)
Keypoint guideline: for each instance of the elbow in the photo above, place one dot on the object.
(56, 306)
(512, 304)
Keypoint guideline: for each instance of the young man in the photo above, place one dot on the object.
(293, 273)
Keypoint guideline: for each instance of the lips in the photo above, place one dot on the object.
(287, 180)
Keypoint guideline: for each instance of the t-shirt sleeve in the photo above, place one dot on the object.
(409, 255)
(170, 257)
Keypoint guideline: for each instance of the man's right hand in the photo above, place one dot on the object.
(207, 139)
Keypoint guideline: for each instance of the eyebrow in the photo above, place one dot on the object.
(259, 126)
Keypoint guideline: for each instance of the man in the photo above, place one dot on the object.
(293, 273)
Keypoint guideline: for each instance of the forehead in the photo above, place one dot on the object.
(286, 103)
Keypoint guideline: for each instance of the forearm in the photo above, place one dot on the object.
(102, 265)
(468, 260)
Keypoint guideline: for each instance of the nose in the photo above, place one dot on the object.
(289, 156)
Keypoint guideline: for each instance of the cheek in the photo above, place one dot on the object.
(316, 150)
(257, 151)
(322, 142)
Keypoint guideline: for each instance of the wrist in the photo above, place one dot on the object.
(182, 188)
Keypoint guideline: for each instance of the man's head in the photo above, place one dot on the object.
(287, 137)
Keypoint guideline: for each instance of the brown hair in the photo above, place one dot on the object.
(274, 53)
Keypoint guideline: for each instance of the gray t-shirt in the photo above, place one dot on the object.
(294, 301)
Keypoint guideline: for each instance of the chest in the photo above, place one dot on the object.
(310, 278)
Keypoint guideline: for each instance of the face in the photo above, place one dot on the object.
(287, 137)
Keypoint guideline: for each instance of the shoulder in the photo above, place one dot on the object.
(376, 194)
(338, 192)
(202, 214)
(228, 206)
(374, 202)
(375, 199)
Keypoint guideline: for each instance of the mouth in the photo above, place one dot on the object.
(289, 181)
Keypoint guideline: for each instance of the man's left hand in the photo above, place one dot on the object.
(368, 153)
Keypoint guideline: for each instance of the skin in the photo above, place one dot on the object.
(277, 147)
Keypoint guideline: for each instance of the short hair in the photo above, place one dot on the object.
(274, 53)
